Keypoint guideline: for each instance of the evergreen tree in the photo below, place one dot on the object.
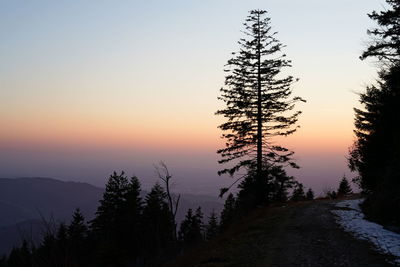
(46, 254)
(19, 257)
(185, 227)
(111, 205)
(61, 250)
(275, 190)
(190, 232)
(386, 38)
(310, 194)
(344, 187)
(111, 226)
(281, 183)
(229, 212)
(257, 101)
(332, 194)
(298, 193)
(77, 240)
(77, 230)
(131, 220)
(374, 155)
(376, 146)
(199, 225)
(157, 226)
(212, 226)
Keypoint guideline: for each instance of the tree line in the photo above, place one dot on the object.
(374, 155)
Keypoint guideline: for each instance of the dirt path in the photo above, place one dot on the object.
(311, 237)
(303, 234)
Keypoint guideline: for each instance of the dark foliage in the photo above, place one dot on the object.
(386, 37)
(229, 212)
(310, 194)
(298, 193)
(157, 226)
(331, 194)
(191, 231)
(344, 187)
(117, 219)
(67, 246)
(78, 240)
(281, 183)
(375, 154)
(212, 227)
(274, 187)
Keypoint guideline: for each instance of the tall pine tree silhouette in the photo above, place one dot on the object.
(257, 98)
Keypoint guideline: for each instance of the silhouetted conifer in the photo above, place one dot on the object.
(118, 212)
(77, 240)
(77, 230)
(229, 212)
(46, 254)
(281, 183)
(298, 193)
(344, 187)
(61, 249)
(386, 38)
(111, 205)
(275, 188)
(257, 100)
(212, 228)
(131, 220)
(157, 226)
(375, 155)
(191, 229)
(310, 194)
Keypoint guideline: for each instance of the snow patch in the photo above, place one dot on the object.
(351, 218)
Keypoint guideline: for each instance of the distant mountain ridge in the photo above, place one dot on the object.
(33, 198)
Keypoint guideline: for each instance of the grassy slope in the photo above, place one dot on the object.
(250, 242)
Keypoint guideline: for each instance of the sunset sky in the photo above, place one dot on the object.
(88, 87)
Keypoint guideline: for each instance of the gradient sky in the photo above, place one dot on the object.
(88, 87)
